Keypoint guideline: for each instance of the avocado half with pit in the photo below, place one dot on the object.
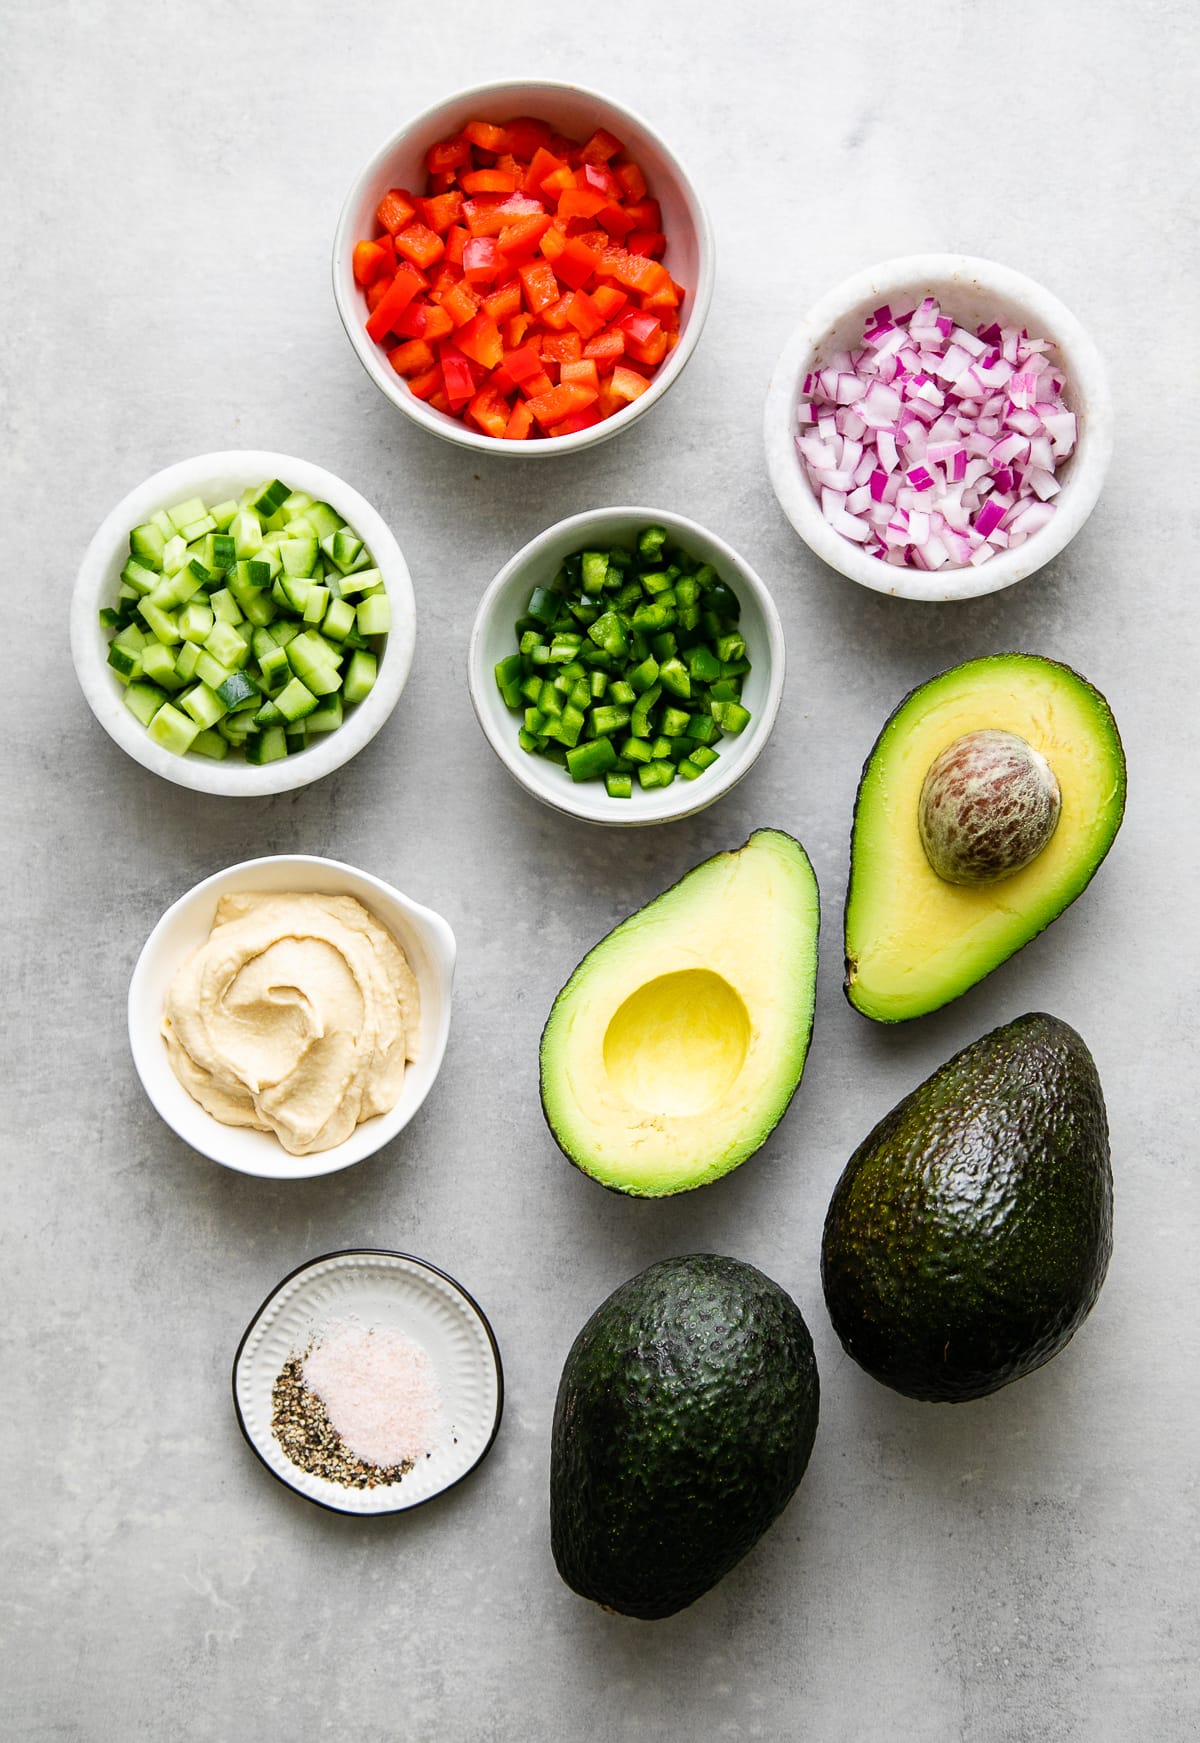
(1020, 759)
(677, 1044)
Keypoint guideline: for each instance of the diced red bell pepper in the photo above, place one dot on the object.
(376, 293)
(652, 352)
(578, 421)
(442, 211)
(481, 260)
(580, 203)
(543, 164)
(607, 348)
(460, 303)
(526, 136)
(480, 340)
(490, 411)
(599, 178)
(450, 154)
(515, 329)
(396, 209)
(370, 260)
(627, 384)
(555, 316)
(419, 244)
(540, 285)
(487, 181)
(663, 301)
(575, 264)
(615, 221)
(583, 314)
(537, 385)
(414, 357)
(443, 182)
(561, 348)
(486, 135)
(583, 372)
(651, 242)
(600, 148)
(522, 362)
(393, 303)
(644, 214)
(520, 422)
(456, 375)
(424, 321)
(504, 301)
(456, 240)
(640, 326)
(558, 182)
(635, 271)
(551, 408)
(632, 181)
(489, 214)
(519, 239)
(425, 386)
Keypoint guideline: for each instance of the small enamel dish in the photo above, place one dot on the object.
(384, 1291)
(972, 292)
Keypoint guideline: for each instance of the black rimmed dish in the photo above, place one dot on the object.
(376, 1288)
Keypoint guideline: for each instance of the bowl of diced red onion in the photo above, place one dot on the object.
(938, 427)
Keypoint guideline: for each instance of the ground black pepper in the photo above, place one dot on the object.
(303, 1429)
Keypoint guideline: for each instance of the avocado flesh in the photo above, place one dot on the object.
(969, 1236)
(676, 1045)
(684, 1422)
(915, 941)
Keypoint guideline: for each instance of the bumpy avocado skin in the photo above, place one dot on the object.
(970, 1233)
(685, 1419)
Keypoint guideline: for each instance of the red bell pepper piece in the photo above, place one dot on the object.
(615, 221)
(490, 411)
(522, 362)
(599, 179)
(425, 386)
(583, 372)
(579, 203)
(419, 244)
(460, 303)
(369, 262)
(487, 181)
(424, 321)
(376, 293)
(555, 317)
(414, 357)
(607, 348)
(583, 315)
(396, 209)
(609, 300)
(631, 179)
(600, 148)
(480, 340)
(456, 240)
(558, 182)
(520, 422)
(486, 135)
(481, 260)
(640, 326)
(551, 408)
(526, 137)
(543, 164)
(540, 285)
(578, 421)
(537, 384)
(575, 264)
(515, 329)
(449, 154)
(652, 352)
(442, 211)
(627, 384)
(504, 301)
(520, 238)
(561, 348)
(651, 242)
(456, 375)
(393, 303)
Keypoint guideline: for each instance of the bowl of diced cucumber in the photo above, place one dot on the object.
(626, 666)
(243, 623)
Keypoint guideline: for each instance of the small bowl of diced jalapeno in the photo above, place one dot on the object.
(243, 623)
(626, 666)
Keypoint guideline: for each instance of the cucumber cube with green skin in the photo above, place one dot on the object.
(268, 746)
(158, 665)
(225, 607)
(173, 730)
(270, 497)
(196, 621)
(143, 580)
(223, 514)
(346, 551)
(131, 637)
(161, 622)
(268, 715)
(196, 529)
(361, 674)
(175, 555)
(275, 670)
(186, 661)
(327, 718)
(295, 700)
(247, 533)
(314, 607)
(237, 690)
(204, 705)
(210, 671)
(184, 513)
(296, 504)
(226, 645)
(374, 615)
(323, 519)
(162, 520)
(236, 729)
(258, 607)
(361, 582)
(144, 701)
(125, 662)
(339, 619)
(210, 744)
(298, 555)
(147, 544)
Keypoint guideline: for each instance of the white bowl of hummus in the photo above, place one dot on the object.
(213, 477)
(288, 1016)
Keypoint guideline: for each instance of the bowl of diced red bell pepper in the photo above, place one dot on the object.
(524, 269)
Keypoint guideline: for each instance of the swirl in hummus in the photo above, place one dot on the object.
(296, 1017)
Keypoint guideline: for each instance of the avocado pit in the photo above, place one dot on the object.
(989, 805)
(677, 1044)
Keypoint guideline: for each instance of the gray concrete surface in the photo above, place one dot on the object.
(1016, 1571)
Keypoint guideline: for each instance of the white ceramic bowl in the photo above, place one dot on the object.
(216, 477)
(973, 291)
(426, 940)
(492, 638)
(400, 162)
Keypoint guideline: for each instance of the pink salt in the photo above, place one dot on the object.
(379, 1391)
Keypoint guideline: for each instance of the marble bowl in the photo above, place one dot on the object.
(492, 638)
(973, 291)
(400, 162)
(426, 940)
(215, 477)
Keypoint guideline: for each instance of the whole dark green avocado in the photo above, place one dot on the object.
(685, 1419)
(969, 1236)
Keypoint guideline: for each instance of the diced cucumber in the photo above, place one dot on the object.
(203, 704)
(315, 604)
(210, 671)
(374, 615)
(173, 730)
(295, 700)
(361, 582)
(211, 744)
(328, 717)
(237, 690)
(137, 575)
(268, 746)
(298, 556)
(223, 513)
(324, 521)
(225, 644)
(186, 660)
(360, 677)
(161, 623)
(247, 533)
(125, 662)
(144, 701)
(158, 665)
(196, 529)
(175, 554)
(270, 497)
(183, 513)
(339, 619)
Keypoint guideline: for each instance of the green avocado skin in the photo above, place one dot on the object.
(970, 1233)
(685, 1419)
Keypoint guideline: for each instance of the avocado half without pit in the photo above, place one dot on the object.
(988, 802)
(678, 1042)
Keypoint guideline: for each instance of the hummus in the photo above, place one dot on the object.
(296, 1017)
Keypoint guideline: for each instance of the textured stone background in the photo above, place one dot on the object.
(1013, 1571)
